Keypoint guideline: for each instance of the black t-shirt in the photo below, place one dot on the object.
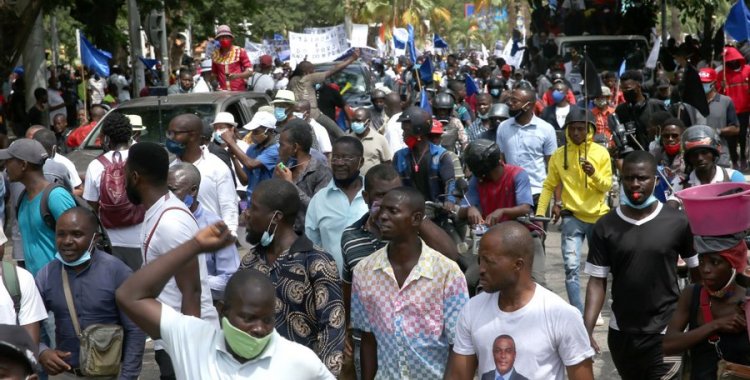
(328, 100)
(642, 257)
(35, 116)
(640, 114)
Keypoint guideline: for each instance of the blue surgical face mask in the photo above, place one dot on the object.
(707, 87)
(267, 238)
(481, 116)
(299, 115)
(217, 136)
(81, 260)
(188, 201)
(558, 96)
(317, 86)
(495, 92)
(175, 148)
(358, 127)
(279, 113)
(648, 202)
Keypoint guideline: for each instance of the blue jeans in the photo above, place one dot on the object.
(571, 240)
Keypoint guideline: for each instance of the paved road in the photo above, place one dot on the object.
(603, 366)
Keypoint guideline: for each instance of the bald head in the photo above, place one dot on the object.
(409, 196)
(249, 285)
(392, 103)
(511, 239)
(186, 173)
(33, 130)
(187, 122)
(97, 112)
(302, 106)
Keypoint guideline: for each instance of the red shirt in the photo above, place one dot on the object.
(500, 194)
(235, 61)
(737, 87)
(79, 134)
(602, 123)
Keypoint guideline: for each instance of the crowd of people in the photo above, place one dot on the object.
(360, 222)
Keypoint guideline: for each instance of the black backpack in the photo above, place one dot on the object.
(103, 244)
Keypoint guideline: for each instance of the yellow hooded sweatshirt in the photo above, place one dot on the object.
(582, 195)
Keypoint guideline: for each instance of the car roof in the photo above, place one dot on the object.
(599, 38)
(180, 99)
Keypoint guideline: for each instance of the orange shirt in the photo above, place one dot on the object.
(602, 123)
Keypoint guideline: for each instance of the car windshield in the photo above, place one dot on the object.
(351, 78)
(150, 115)
(608, 54)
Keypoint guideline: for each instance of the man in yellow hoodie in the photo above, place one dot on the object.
(584, 170)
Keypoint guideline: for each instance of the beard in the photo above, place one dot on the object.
(133, 196)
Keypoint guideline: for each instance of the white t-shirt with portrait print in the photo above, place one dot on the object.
(548, 333)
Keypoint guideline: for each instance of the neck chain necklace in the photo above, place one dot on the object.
(416, 163)
(725, 292)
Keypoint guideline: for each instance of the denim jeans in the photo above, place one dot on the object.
(571, 240)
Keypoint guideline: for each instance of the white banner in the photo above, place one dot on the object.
(653, 57)
(317, 47)
(359, 35)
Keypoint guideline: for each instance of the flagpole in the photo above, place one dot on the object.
(83, 76)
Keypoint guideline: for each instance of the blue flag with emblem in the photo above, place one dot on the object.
(410, 44)
(738, 22)
(438, 42)
(93, 58)
(425, 71)
(424, 102)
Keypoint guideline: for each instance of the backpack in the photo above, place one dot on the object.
(103, 244)
(10, 281)
(115, 209)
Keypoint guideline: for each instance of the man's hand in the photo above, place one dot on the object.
(53, 361)
(474, 216)
(355, 55)
(732, 323)
(283, 173)
(587, 168)
(594, 345)
(556, 210)
(214, 237)
(230, 77)
(494, 217)
(449, 206)
(228, 136)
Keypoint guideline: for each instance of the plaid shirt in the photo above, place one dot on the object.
(413, 325)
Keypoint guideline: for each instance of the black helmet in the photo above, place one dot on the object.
(377, 94)
(481, 156)
(496, 83)
(580, 115)
(443, 101)
(419, 119)
(499, 110)
(700, 136)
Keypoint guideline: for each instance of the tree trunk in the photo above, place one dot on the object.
(35, 70)
(676, 25)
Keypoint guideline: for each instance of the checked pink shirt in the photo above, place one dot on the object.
(414, 325)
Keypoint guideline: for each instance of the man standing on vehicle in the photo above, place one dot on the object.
(584, 170)
(230, 63)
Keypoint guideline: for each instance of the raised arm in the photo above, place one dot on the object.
(137, 295)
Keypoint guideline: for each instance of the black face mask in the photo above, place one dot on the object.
(516, 113)
(346, 181)
(734, 65)
(631, 96)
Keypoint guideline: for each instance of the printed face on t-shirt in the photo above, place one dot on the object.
(504, 353)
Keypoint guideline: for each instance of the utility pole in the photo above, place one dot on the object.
(164, 48)
(134, 33)
(664, 22)
(55, 40)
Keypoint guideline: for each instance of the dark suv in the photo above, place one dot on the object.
(359, 78)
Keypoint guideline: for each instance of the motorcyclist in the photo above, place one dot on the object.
(496, 88)
(442, 107)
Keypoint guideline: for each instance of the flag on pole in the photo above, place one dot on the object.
(410, 44)
(471, 86)
(592, 83)
(93, 58)
(653, 57)
(426, 71)
(400, 36)
(424, 102)
(738, 22)
(438, 42)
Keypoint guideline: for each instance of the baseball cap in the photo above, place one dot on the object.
(284, 96)
(261, 119)
(266, 60)
(707, 75)
(437, 127)
(15, 341)
(223, 30)
(580, 115)
(27, 150)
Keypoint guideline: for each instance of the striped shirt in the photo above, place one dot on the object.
(356, 244)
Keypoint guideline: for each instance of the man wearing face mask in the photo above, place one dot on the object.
(293, 262)
(443, 106)
(246, 346)
(603, 112)
(496, 89)
(218, 192)
(734, 82)
(263, 154)
(184, 181)
(640, 239)
(556, 113)
(340, 203)
(168, 223)
(283, 103)
(526, 140)
(230, 63)
(80, 267)
(637, 108)
(224, 122)
(482, 121)
(377, 111)
(321, 141)
(375, 145)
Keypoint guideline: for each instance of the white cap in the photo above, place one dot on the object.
(261, 119)
(224, 118)
(136, 122)
(206, 64)
(284, 96)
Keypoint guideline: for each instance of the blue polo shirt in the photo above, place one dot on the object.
(526, 146)
(269, 156)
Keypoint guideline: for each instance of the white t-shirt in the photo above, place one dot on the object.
(198, 351)
(121, 237)
(54, 99)
(75, 179)
(97, 89)
(261, 82)
(32, 307)
(548, 334)
(561, 113)
(217, 192)
(321, 135)
(174, 228)
(394, 134)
